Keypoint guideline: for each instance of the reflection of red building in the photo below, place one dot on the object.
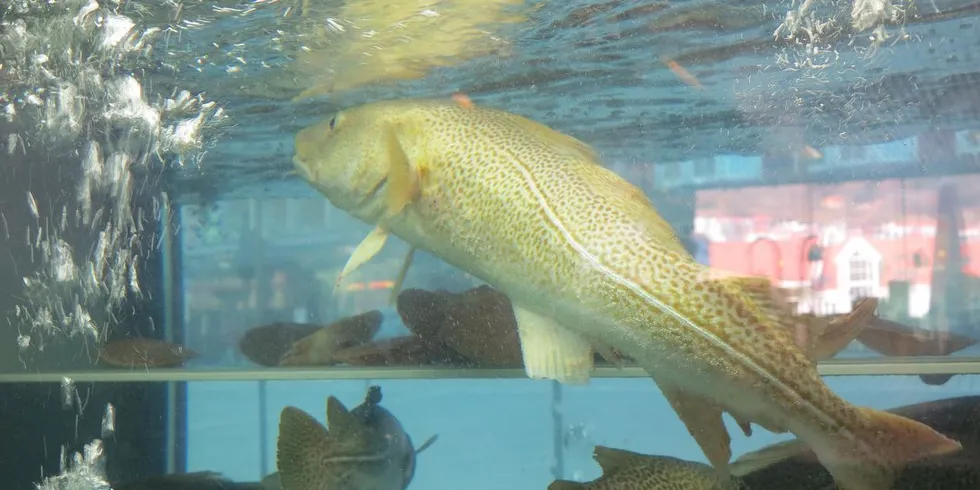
(856, 266)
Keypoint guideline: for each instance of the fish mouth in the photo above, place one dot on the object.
(302, 169)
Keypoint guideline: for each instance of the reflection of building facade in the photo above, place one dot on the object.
(909, 156)
(847, 267)
(905, 240)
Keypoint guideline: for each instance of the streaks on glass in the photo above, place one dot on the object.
(67, 393)
(108, 421)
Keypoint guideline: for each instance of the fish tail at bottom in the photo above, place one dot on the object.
(892, 442)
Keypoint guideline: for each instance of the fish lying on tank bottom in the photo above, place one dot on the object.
(589, 264)
(364, 449)
(790, 466)
(626, 470)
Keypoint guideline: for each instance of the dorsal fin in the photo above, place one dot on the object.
(762, 293)
(761, 290)
(824, 337)
(558, 141)
(301, 442)
(338, 417)
(612, 460)
(839, 332)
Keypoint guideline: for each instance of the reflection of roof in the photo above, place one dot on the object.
(785, 259)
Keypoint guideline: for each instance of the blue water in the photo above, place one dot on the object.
(596, 70)
(494, 434)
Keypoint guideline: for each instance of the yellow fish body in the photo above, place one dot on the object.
(588, 263)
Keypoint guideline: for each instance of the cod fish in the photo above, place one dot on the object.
(589, 265)
(626, 470)
(790, 465)
(365, 448)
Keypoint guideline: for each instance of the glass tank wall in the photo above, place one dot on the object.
(703, 228)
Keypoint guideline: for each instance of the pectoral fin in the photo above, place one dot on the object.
(551, 351)
(703, 420)
(365, 251)
(404, 182)
(428, 442)
(400, 279)
(403, 187)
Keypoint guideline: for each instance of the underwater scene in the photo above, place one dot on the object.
(495, 244)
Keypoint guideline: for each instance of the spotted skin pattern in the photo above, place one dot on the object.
(659, 473)
(533, 213)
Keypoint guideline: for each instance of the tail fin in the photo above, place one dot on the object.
(891, 442)
(566, 485)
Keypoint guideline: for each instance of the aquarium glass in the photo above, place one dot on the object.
(265, 244)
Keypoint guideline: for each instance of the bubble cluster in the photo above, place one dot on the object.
(75, 85)
(83, 471)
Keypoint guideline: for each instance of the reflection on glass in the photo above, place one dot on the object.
(234, 238)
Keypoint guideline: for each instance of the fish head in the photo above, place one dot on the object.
(348, 156)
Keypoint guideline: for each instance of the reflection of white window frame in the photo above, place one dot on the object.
(856, 253)
(858, 269)
(827, 307)
(858, 292)
(816, 270)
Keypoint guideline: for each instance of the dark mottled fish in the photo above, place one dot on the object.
(320, 347)
(204, 480)
(892, 338)
(364, 449)
(791, 466)
(478, 323)
(141, 353)
(265, 345)
(626, 470)
(409, 350)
